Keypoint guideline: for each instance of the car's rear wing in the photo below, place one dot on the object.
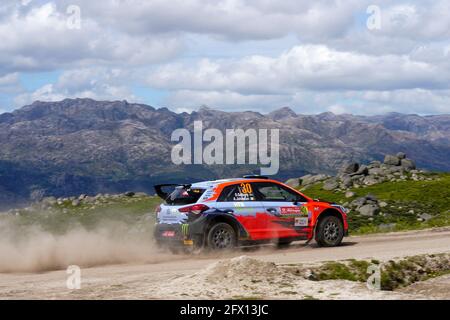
(164, 195)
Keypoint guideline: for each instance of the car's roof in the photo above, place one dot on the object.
(206, 184)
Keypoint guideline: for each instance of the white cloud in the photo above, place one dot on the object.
(227, 19)
(418, 101)
(9, 79)
(10, 83)
(323, 56)
(311, 67)
(417, 20)
(190, 100)
(95, 83)
(38, 38)
(411, 101)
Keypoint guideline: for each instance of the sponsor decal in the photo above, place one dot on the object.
(294, 211)
(185, 229)
(301, 222)
(208, 195)
(243, 197)
(290, 210)
(304, 210)
(168, 234)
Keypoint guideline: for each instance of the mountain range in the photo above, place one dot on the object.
(80, 146)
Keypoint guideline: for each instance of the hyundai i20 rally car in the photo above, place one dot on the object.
(223, 214)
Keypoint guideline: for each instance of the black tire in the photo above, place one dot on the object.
(329, 232)
(221, 236)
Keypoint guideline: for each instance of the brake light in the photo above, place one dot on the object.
(158, 209)
(196, 208)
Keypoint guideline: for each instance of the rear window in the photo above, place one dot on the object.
(182, 195)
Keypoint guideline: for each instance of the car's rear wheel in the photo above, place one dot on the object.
(329, 232)
(221, 236)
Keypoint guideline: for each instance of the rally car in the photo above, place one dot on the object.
(223, 214)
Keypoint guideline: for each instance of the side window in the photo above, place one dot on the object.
(267, 191)
(237, 192)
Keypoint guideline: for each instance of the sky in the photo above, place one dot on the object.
(353, 56)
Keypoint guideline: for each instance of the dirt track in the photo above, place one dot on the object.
(178, 276)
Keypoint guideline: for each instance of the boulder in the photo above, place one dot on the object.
(350, 168)
(391, 160)
(346, 181)
(310, 179)
(305, 178)
(370, 180)
(368, 210)
(89, 199)
(362, 170)
(375, 164)
(294, 182)
(330, 184)
(377, 171)
(49, 200)
(371, 197)
(350, 194)
(408, 164)
(75, 203)
(425, 216)
(382, 204)
(358, 202)
(401, 155)
(357, 177)
(395, 169)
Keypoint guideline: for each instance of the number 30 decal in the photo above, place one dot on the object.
(246, 188)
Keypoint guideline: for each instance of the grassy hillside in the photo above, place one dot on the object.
(58, 218)
(406, 200)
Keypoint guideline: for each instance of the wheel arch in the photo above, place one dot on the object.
(330, 212)
(231, 220)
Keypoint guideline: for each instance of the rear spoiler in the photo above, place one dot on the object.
(164, 195)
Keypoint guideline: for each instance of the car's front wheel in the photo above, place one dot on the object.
(329, 232)
(221, 237)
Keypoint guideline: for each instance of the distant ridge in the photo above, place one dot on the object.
(85, 146)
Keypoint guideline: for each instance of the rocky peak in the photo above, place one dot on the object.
(282, 113)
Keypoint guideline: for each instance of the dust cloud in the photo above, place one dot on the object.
(31, 248)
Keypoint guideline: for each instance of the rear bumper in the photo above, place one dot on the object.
(171, 235)
(180, 234)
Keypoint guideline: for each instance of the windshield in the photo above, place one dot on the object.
(184, 195)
